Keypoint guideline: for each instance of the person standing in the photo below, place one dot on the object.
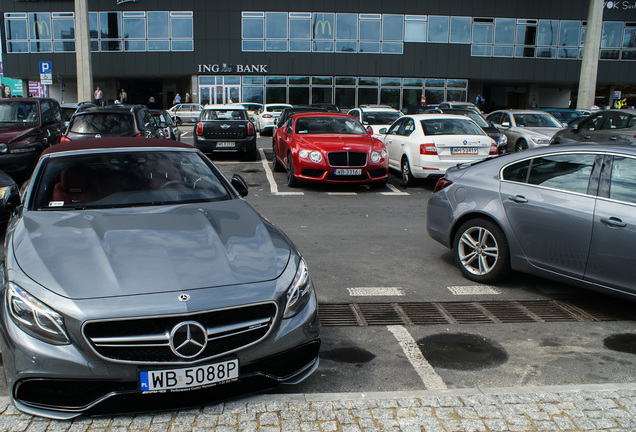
(151, 102)
(98, 95)
(177, 99)
(188, 98)
(123, 96)
(479, 102)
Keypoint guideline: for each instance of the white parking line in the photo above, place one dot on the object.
(375, 291)
(394, 191)
(342, 193)
(429, 377)
(474, 290)
(273, 187)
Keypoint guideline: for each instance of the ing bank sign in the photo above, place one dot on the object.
(228, 68)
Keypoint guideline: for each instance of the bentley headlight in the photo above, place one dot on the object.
(34, 317)
(299, 292)
(315, 156)
(376, 156)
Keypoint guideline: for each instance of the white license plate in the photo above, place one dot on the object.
(464, 150)
(347, 171)
(188, 378)
(225, 144)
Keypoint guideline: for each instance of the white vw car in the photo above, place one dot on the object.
(422, 145)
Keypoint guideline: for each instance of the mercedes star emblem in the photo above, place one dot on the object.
(188, 339)
(184, 297)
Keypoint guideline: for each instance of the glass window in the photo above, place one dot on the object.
(481, 50)
(460, 29)
(544, 52)
(390, 82)
(299, 27)
(253, 28)
(324, 26)
(413, 82)
(618, 120)
(63, 28)
(276, 45)
(526, 34)
(134, 45)
(415, 30)
(411, 97)
(521, 51)
(569, 33)
(612, 35)
(367, 96)
(321, 95)
(548, 32)
(158, 45)
(253, 45)
(345, 81)
(393, 28)
(16, 29)
(370, 30)
(368, 81)
(623, 183)
(252, 94)
(134, 27)
(318, 80)
(345, 97)
(110, 25)
(275, 80)
(456, 95)
(181, 25)
(182, 45)
(433, 82)
(40, 26)
(41, 46)
(298, 80)
(482, 32)
(392, 47)
(276, 25)
(346, 26)
(346, 46)
(323, 46)
(457, 83)
(503, 51)
(629, 36)
(437, 29)
(93, 24)
(390, 96)
(369, 47)
(568, 53)
(299, 95)
(300, 46)
(505, 31)
(564, 172)
(434, 96)
(276, 94)
(517, 172)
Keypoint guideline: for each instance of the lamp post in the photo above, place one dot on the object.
(83, 52)
(591, 50)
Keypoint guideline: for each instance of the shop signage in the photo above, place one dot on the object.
(228, 68)
(620, 5)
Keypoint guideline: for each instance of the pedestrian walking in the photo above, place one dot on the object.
(98, 95)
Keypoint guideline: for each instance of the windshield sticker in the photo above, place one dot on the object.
(56, 204)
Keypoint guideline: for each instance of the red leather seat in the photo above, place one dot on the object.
(75, 186)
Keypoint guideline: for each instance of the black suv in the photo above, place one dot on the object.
(27, 127)
(226, 128)
(112, 121)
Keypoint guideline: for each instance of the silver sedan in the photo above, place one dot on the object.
(562, 212)
(525, 129)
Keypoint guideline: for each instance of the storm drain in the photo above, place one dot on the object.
(478, 312)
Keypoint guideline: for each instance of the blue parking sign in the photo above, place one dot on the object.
(45, 68)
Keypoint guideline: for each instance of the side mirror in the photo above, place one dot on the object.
(505, 124)
(11, 198)
(369, 130)
(383, 131)
(239, 184)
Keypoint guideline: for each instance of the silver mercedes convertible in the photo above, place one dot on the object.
(136, 277)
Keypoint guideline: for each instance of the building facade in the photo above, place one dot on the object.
(350, 53)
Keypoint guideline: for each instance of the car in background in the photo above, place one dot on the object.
(252, 108)
(266, 118)
(27, 127)
(375, 116)
(525, 128)
(459, 105)
(329, 148)
(565, 213)
(68, 109)
(609, 126)
(423, 145)
(225, 128)
(284, 116)
(194, 297)
(185, 113)
(419, 109)
(112, 121)
(164, 121)
(326, 106)
(8, 187)
(490, 129)
(564, 115)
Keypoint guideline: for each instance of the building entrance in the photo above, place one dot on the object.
(220, 94)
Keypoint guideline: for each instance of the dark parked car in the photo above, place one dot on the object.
(68, 109)
(8, 187)
(327, 107)
(489, 128)
(561, 212)
(113, 121)
(136, 277)
(608, 126)
(226, 128)
(564, 115)
(27, 127)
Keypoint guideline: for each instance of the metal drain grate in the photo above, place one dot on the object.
(486, 312)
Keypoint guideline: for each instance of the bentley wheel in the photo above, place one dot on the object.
(292, 181)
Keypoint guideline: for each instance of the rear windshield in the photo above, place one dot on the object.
(536, 120)
(18, 113)
(450, 127)
(329, 125)
(380, 117)
(111, 124)
(126, 179)
(214, 114)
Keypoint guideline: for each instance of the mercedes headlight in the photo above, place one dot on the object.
(34, 317)
(541, 140)
(299, 292)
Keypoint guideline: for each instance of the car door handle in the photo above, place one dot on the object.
(613, 138)
(614, 221)
(587, 136)
(518, 199)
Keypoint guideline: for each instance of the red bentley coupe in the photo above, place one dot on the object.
(329, 148)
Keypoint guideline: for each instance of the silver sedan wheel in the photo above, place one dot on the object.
(478, 251)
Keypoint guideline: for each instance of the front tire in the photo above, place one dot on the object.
(276, 165)
(521, 145)
(481, 251)
(292, 181)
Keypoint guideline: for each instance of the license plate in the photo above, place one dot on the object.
(225, 144)
(347, 171)
(188, 378)
(464, 150)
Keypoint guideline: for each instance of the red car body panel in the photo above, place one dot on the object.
(332, 146)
